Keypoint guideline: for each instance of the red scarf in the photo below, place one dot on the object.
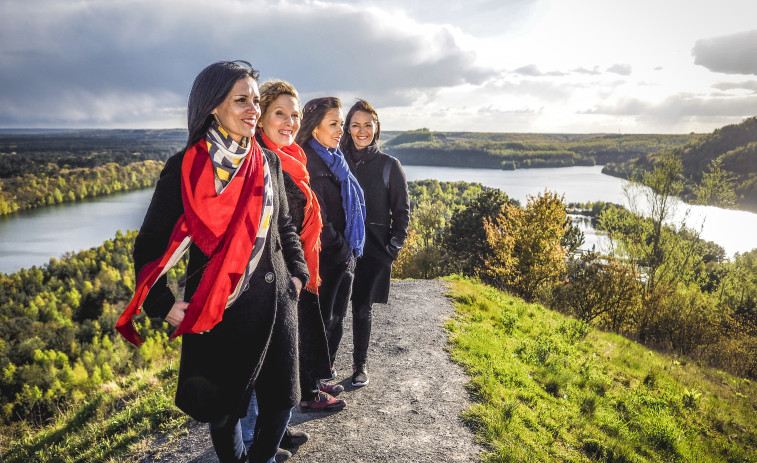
(223, 226)
(293, 162)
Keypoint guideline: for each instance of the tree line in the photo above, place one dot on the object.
(43, 169)
(59, 185)
(57, 330)
(728, 157)
(521, 151)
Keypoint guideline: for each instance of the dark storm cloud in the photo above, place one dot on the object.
(98, 63)
(730, 54)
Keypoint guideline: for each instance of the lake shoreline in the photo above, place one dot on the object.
(32, 237)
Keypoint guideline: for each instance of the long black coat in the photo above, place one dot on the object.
(314, 349)
(255, 344)
(387, 216)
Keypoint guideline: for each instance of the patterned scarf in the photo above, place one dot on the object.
(293, 162)
(222, 225)
(226, 154)
(353, 201)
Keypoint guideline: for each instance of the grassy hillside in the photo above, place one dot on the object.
(551, 389)
(117, 420)
(521, 150)
(546, 389)
(735, 146)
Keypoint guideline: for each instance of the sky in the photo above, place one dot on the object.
(539, 66)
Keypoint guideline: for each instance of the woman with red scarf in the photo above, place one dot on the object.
(223, 199)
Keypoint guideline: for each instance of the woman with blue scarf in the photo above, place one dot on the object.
(342, 209)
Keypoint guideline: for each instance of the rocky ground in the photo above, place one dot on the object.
(410, 411)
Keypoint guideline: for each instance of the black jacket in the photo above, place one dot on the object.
(335, 249)
(387, 206)
(255, 344)
(387, 218)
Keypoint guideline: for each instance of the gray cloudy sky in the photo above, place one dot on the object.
(672, 66)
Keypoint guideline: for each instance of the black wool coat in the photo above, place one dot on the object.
(335, 249)
(254, 347)
(387, 210)
(313, 347)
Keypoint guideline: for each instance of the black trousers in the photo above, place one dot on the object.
(334, 296)
(372, 276)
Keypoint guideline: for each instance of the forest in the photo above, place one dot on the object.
(728, 156)
(512, 151)
(42, 169)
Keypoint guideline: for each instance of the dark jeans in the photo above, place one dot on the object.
(270, 425)
(361, 331)
(334, 295)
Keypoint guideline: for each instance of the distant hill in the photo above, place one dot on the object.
(511, 151)
(735, 145)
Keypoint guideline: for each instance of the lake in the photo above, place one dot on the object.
(32, 237)
(733, 230)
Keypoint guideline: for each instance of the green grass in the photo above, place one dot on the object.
(112, 423)
(550, 388)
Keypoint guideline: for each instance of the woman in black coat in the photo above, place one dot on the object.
(342, 211)
(387, 218)
(223, 199)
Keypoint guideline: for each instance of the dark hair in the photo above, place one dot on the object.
(210, 88)
(361, 105)
(312, 115)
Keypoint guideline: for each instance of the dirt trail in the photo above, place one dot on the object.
(410, 411)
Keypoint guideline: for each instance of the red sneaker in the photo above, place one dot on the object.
(328, 388)
(323, 402)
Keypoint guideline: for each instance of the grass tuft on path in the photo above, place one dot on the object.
(550, 388)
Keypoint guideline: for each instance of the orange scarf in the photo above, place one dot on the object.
(223, 226)
(294, 162)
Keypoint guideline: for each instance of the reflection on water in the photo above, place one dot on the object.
(594, 240)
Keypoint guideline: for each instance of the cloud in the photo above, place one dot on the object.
(534, 71)
(529, 70)
(472, 16)
(99, 63)
(681, 105)
(729, 54)
(750, 85)
(622, 69)
(591, 72)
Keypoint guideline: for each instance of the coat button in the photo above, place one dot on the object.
(246, 286)
(269, 277)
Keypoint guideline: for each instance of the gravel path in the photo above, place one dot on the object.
(410, 411)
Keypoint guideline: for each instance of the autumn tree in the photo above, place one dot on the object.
(526, 251)
(599, 289)
(465, 240)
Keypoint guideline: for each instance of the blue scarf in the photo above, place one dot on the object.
(353, 201)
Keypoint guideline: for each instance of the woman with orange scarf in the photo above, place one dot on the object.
(277, 127)
(223, 199)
